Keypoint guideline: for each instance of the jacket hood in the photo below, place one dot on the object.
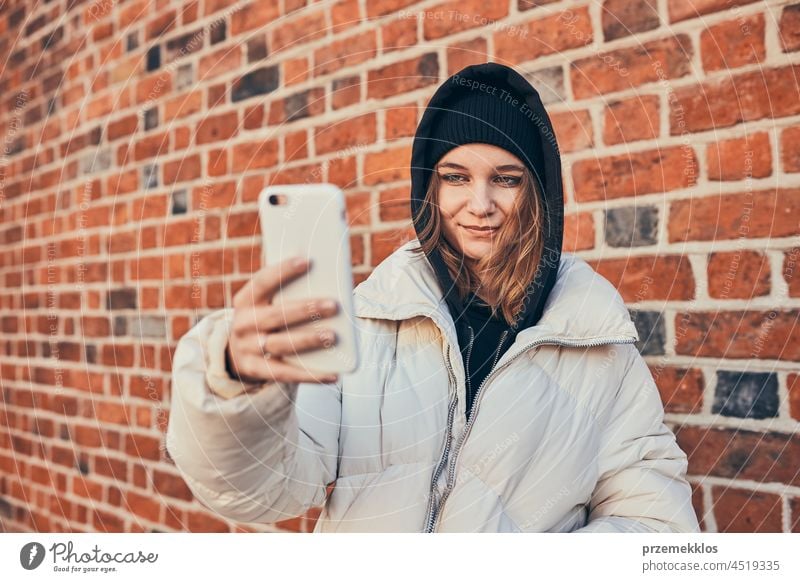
(582, 307)
(501, 76)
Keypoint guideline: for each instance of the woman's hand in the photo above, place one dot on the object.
(262, 332)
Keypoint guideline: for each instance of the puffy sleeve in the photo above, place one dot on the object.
(252, 453)
(642, 485)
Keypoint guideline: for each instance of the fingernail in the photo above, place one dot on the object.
(331, 378)
(298, 262)
(328, 304)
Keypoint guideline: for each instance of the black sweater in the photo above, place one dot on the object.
(486, 349)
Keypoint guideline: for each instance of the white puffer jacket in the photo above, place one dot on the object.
(567, 434)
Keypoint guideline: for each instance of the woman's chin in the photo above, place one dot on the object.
(477, 249)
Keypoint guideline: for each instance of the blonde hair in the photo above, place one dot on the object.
(507, 271)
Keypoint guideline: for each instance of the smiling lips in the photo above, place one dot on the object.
(482, 231)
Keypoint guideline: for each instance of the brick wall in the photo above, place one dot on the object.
(137, 135)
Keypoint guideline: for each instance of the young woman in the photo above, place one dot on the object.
(500, 388)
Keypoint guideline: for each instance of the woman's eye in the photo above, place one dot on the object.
(457, 180)
(509, 180)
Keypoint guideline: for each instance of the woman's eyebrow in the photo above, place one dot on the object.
(504, 167)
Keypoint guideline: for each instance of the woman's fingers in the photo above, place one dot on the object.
(289, 343)
(252, 363)
(278, 317)
(267, 281)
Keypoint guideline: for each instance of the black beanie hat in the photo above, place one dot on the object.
(486, 114)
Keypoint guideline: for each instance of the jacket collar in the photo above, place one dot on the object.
(582, 307)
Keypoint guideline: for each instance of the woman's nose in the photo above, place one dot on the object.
(481, 200)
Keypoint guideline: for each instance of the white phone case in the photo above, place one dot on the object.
(312, 223)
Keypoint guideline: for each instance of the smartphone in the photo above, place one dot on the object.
(309, 220)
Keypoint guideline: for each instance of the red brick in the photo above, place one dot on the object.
(388, 165)
(242, 224)
(253, 15)
(631, 67)
(469, 52)
(748, 335)
(549, 35)
(346, 133)
(205, 523)
(122, 127)
(740, 158)
(659, 170)
(216, 195)
(221, 61)
(217, 128)
(403, 77)
(461, 15)
(734, 43)
(793, 387)
(151, 146)
(625, 17)
(790, 149)
(573, 130)
(681, 389)
(770, 93)
(384, 243)
(683, 9)
(143, 505)
(397, 34)
(738, 275)
(579, 233)
(295, 70)
(253, 155)
(791, 270)
(183, 106)
(794, 515)
(740, 510)
(299, 29)
(345, 52)
(358, 206)
(343, 171)
(632, 119)
(766, 213)
(633, 277)
(766, 457)
(146, 447)
(182, 170)
(171, 485)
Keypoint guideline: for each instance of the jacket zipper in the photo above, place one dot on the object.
(450, 413)
(437, 511)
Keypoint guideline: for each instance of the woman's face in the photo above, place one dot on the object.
(478, 187)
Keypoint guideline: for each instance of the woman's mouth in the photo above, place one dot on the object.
(481, 232)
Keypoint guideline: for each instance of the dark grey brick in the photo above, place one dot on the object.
(650, 325)
(179, 202)
(218, 31)
(257, 49)
(184, 77)
(258, 82)
(153, 58)
(125, 298)
(296, 106)
(632, 226)
(746, 394)
(132, 41)
(151, 118)
(120, 325)
(150, 176)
